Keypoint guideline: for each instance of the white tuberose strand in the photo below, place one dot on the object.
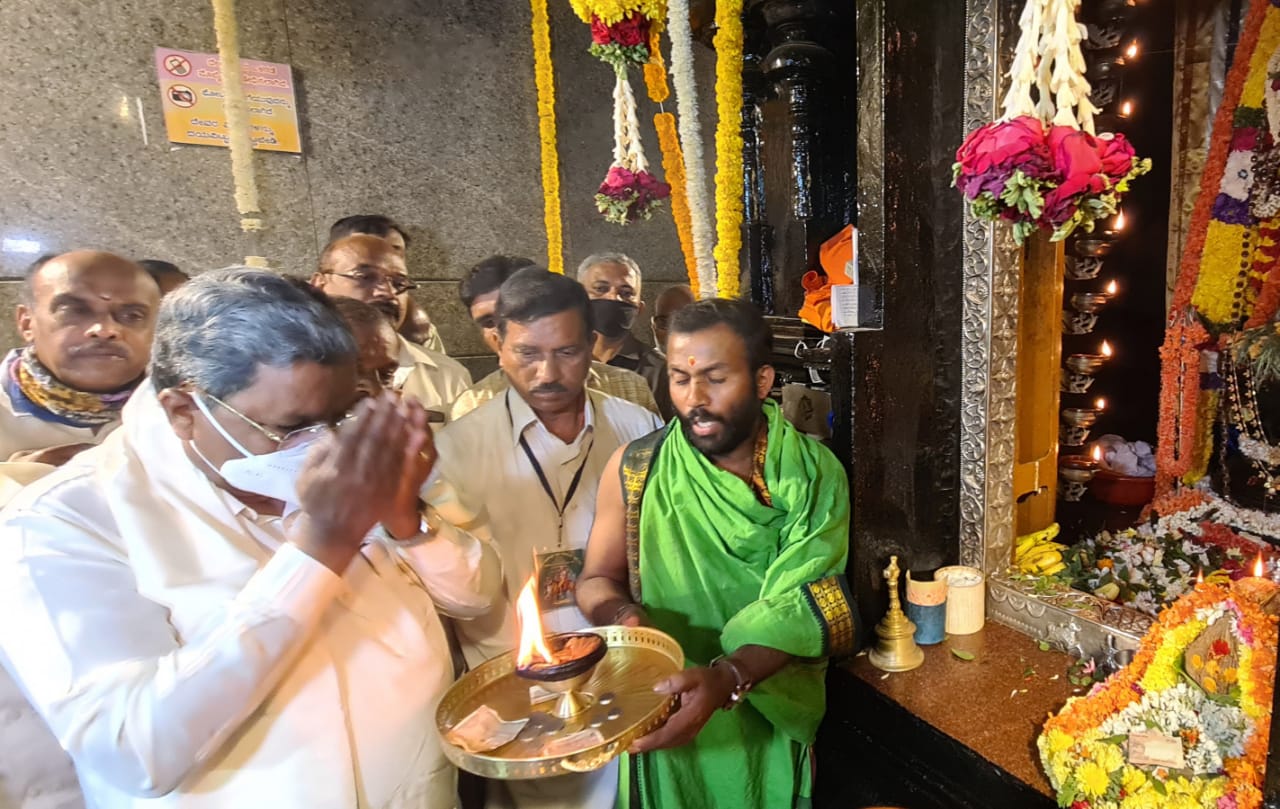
(691, 144)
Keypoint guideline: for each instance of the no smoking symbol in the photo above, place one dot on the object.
(182, 96)
(177, 65)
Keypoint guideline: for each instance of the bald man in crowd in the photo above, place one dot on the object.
(87, 320)
(370, 269)
(669, 300)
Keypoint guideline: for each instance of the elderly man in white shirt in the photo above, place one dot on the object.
(531, 458)
(203, 608)
(370, 269)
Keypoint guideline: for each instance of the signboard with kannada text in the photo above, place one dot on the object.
(191, 96)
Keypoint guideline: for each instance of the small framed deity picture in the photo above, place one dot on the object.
(557, 576)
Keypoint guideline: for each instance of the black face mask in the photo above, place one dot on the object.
(613, 319)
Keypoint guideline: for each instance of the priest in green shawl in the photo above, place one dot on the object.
(728, 530)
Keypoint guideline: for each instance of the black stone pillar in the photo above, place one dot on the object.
(905, 381)
(802, 103)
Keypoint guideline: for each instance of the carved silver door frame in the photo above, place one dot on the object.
(992, 263)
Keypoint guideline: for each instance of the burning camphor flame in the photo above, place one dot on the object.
(1111, 288)
(1097, 453)
(1258, 567)
(1101, 404)
(533, 645)
(1106, 349)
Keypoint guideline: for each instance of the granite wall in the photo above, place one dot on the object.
(420, 109)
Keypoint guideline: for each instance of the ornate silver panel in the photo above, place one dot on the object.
(989, 330)
(1076, 622)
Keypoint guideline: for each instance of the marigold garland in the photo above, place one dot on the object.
(1228, 270)
(655, 70)
(1090, 770)
(612, 11)
(729, 211)
(545, 81)
(673, 167)
(1180, 382)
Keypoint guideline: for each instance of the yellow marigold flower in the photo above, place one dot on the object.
(1148, 799)
(1093, 779)
(1197, 661)
(1133, 779)
(1229, 675)
(1059, 741)
(1211, 668)
(1110, 757)
(1210, 685)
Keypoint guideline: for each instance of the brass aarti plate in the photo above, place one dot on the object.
(618, 698)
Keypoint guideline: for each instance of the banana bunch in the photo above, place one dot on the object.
(1038, 555)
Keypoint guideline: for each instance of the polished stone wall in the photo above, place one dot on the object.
(420, 109)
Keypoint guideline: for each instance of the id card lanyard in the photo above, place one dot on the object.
(560, 507)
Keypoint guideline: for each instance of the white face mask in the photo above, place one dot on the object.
(271, 474)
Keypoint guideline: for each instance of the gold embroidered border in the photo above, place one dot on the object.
(831, 604)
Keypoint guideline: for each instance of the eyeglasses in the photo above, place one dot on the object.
(487, 322)
(400, 284)
(291, 439)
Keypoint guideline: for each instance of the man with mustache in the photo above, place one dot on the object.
(531, 459)
(612, 281)
(370, 269)
(479, 292)
(727, 530)
(87, 318)
(414, 324)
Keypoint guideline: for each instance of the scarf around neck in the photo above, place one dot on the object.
(34, 390)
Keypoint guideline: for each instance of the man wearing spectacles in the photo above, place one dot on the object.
(236, 600)
(370, 269)
(415, 324)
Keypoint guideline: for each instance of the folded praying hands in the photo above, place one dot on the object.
(367, 472)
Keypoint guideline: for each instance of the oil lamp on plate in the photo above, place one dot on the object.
(562, 663)
(560, 703)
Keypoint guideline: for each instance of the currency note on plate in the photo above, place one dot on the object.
(484, 730)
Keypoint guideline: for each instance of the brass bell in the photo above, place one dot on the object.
(895, 648)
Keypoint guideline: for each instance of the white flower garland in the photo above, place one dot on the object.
(1048, 59)
(627, 150)
(691, 144)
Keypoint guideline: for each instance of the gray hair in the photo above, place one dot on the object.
(608, 258)
(217, 329)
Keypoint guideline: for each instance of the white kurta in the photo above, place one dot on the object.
(186, 656)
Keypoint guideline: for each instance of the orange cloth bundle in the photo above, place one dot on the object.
(834, 255)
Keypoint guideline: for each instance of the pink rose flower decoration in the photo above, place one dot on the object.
(1116, 154)
(990, 155)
